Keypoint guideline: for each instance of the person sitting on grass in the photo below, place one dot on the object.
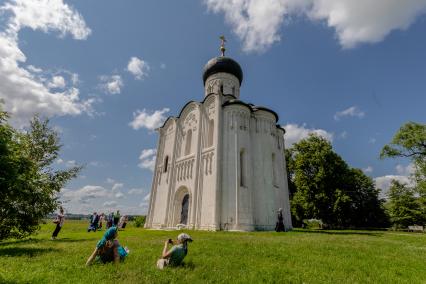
(108, 249)
(176, 254)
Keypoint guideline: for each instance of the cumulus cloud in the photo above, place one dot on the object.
(403, 176)
(23, 88)
(343, 135)
(368, 170)
(110, 180)
(352, 111)
(85, 193)
(117, 186)
(147, 159)
(138, 68)
(405, 170)
(294, 133)
(146, 198)
(111, 84)
(384, 182)
(57, 82)
(119, 195)
(148, 120)
(145, 201)
(257, 22)
(110, 203)
(136, 191)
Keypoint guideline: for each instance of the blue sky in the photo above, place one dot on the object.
(108, 73)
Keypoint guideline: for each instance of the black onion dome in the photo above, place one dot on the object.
(222, 64)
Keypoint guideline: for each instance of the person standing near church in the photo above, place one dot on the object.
(116, 218)
(279, 227)
(59, 221)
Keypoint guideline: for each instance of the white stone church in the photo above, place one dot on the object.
(220, 163)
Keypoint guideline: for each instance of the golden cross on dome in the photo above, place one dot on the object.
(222, 44)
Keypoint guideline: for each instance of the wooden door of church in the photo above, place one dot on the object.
(184, 212)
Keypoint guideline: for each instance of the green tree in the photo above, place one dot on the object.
(404, 208)
(324, 187)
(410, 142)
(29, 185)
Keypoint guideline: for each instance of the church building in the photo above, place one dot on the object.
(220, 163)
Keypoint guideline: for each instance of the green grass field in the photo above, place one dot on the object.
(299, 256)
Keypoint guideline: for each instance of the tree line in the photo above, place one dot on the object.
(324, 187)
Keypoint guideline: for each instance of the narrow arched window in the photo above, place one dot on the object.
(274, 170)
(242, 168)
(210, 134)
(188, 142)
(221, 89)
(166, 163)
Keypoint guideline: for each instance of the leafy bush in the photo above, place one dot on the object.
(313, 224)
(139, 221)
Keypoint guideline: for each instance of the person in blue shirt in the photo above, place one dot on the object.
(176, 254)
(108, 249)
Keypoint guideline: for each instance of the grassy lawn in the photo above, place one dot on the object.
(221, 257)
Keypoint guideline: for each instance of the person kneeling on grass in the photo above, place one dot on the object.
(176, 254)
(108, 249)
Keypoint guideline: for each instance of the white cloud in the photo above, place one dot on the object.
(359, 21)
(110, 204)
(148, 120)
(146, 198)
(85, 193)
(147, 159)
(111, 84)
(117, 186)
(372, 140)
(294, 133)
(138, 68)
(384, 182)
(71, 163)
(25, 92)
(368, 170)
(343, 135)
(352, 111)
(257, 22)
(34, 69)
(110, 180)
(57, 82)
(136, 191)
(119, 195)
(405, 170)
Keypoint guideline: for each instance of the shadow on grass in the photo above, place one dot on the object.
(31, 252)
(188, 265)
(34, 241)
(362, 233)
(5, 281)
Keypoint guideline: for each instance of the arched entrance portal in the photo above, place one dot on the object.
(184, 212)
(181, 204)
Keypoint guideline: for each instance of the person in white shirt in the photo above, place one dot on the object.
(59, 221)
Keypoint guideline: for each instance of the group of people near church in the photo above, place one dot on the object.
(108, 248)
(96, 221)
